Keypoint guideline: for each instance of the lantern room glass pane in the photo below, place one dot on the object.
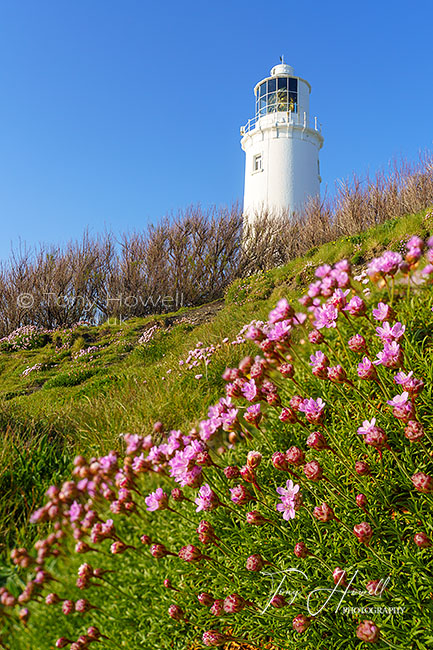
(262, 90)
(282, 83)
(293, 85)
(272, 85)
(272, 103)
(293, 101)
(282, 101)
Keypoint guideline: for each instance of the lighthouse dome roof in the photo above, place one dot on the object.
(282, 68)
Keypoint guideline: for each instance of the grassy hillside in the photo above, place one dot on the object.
(347, 390)
(78, 390)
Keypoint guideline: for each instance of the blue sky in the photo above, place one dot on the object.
(115, 113)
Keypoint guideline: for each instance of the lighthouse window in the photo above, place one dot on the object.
(277, 95)
(257, 163)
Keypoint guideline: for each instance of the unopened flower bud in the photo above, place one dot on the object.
(313, 471)
(288, 415)
(363, 532)
(287, 370)
(323, 512)
(205, 599)
(233, 604)
(279, 461)
(361, 468)
(255, 563)
(422, 540)
(317, 440)
(414, 431)
(301, 623)
(256, 518)
(422, 482)
(254, 459)
(217, 608)
(176, 612)
(301, 550)
(295, 456)
(231, 472)
(368, 631)
(339, 577)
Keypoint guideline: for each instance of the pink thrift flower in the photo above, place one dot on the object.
(322, 271)
(282, 311)
(391, 356)
(290, 500)
(402, 408)
(409, 383)
(338, 299)
(325, 316)
(207, 499)
(387, 334)
(157, 500)
(383, 312)
(366, 369)
(313, 409)
(356, 306)
(253, 414)
(249, 390)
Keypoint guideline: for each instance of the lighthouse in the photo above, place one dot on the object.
(281, 144)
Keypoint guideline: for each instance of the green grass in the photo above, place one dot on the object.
(120, 390)
(134, 613)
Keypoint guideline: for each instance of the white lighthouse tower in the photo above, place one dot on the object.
(281, 145)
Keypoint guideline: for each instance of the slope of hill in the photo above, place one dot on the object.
(78, 390)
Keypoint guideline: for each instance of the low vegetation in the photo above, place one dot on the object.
(204, 519)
